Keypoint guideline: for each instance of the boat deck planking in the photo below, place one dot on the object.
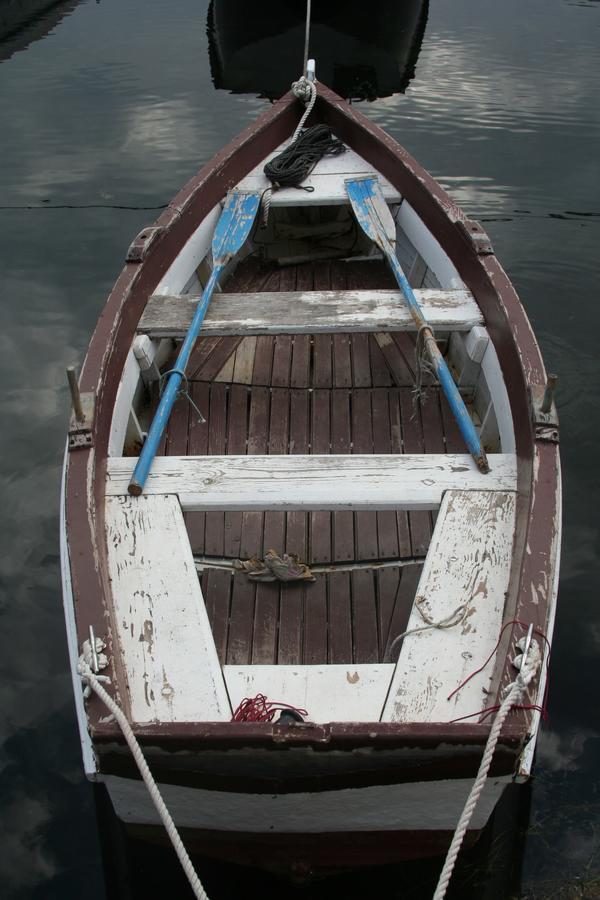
(310, 394)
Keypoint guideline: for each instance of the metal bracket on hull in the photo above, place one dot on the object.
(80, 429)
(545, 417)
(142, 242)
(82, 415)
(477, 236)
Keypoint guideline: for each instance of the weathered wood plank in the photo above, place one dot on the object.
(215, 521)
(218, 601)
(263, 360)
(365, 522)
(343, 521)
(283, 482)
(412, 437)
(282, 358)
(364, 616)
(266, 617)
(361, 360)
(468, 563)
(315, 622)
(328, 188)
(241, 621)
(258, 431)
(338, 693)
(300, 374)
(340, 619)
(397, 364)
(396, 600)
(292, 595)
(293, 312)
(244, 361)
(173, 673)
(237, 433)
(198, 446)
(212, 365)
(320, 522)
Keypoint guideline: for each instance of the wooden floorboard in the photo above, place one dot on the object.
(316, 394)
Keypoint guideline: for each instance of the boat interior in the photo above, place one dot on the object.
(308, 351)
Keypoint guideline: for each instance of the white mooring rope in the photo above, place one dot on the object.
(306, 91)
(92, 681)
(516, 690)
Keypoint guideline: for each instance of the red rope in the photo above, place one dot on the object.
(490, 709)
(482, 667)
(259, 709)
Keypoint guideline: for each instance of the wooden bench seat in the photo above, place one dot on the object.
(468, 562)
(332, 482)
(298, 312)
(173, 672)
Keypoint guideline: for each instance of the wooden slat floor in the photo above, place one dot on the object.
(320, 393)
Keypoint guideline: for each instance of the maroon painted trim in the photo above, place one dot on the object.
(505, 318)
(317, 757)
(343, 735)
(326, 769)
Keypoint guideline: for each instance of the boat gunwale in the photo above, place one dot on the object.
(515, 344)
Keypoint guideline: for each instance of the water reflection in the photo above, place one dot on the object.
(115, 109)
(359, 56)
(29, 20)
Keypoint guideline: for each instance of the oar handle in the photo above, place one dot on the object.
(440, 367)
(171, 390)
(456, 402)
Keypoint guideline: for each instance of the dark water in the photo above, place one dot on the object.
(102, 119)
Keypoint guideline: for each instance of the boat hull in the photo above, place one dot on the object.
(309, 832)
(400, 787)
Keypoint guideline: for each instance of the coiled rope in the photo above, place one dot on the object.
(529, 667)
(298, 160)
(92, 681)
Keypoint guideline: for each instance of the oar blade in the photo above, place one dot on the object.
(371, 210)
(375, 219)
(234, 225)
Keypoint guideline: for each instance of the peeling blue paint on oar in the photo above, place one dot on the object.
(375, 219)
(233, 228)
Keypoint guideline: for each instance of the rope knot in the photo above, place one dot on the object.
(303, 89)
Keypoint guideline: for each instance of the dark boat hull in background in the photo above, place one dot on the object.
(24, 21)
(356, 62)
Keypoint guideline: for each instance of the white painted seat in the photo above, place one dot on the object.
(327, 179)
(293, 312)
(374, 481)
(173, 673)
(328, 693)
(468, 562)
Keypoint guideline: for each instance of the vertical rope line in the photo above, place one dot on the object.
(90, 678)
(306, 36)
(513, 697)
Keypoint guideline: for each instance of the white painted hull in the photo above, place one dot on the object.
(417, 806)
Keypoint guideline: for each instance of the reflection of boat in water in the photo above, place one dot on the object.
(362, 58)
(24, 21)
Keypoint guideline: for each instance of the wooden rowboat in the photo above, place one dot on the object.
(314, 445)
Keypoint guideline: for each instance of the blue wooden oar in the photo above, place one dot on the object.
(375, 218)
(230, 234)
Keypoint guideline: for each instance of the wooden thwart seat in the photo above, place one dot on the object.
(467, 566)
(326, 181)
(297, 312)
(332, 482)
(173, 672)
(329, 693)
